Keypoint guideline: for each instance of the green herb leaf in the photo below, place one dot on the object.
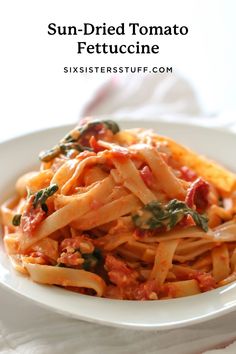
(16, 219)
(92, 259)
(109, 124)
(42, 196)
(113, 126)
(50, 154)
(68, 139)
(44, 207)
(154, 215)
(200, 220)
(72, 140)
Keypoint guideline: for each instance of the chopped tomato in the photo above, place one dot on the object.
(187, 221)
(147, 176)
(72, 248)
(197, 195)
(70, 259)
(205, 281)
(82, 242)
(73, 242)
(99, 131)
(31, 217)
(119, 273)
(187, 174)
(95, 145)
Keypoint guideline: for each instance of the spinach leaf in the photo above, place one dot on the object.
(42, 195)
(91, 260)
(154, 215)
(72, 140)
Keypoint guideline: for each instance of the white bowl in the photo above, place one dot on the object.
(20, 155)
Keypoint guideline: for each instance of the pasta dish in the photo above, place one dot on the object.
(123, 214)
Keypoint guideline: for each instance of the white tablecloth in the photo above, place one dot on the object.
(26, 328)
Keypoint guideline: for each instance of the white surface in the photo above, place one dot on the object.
(131, 314)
